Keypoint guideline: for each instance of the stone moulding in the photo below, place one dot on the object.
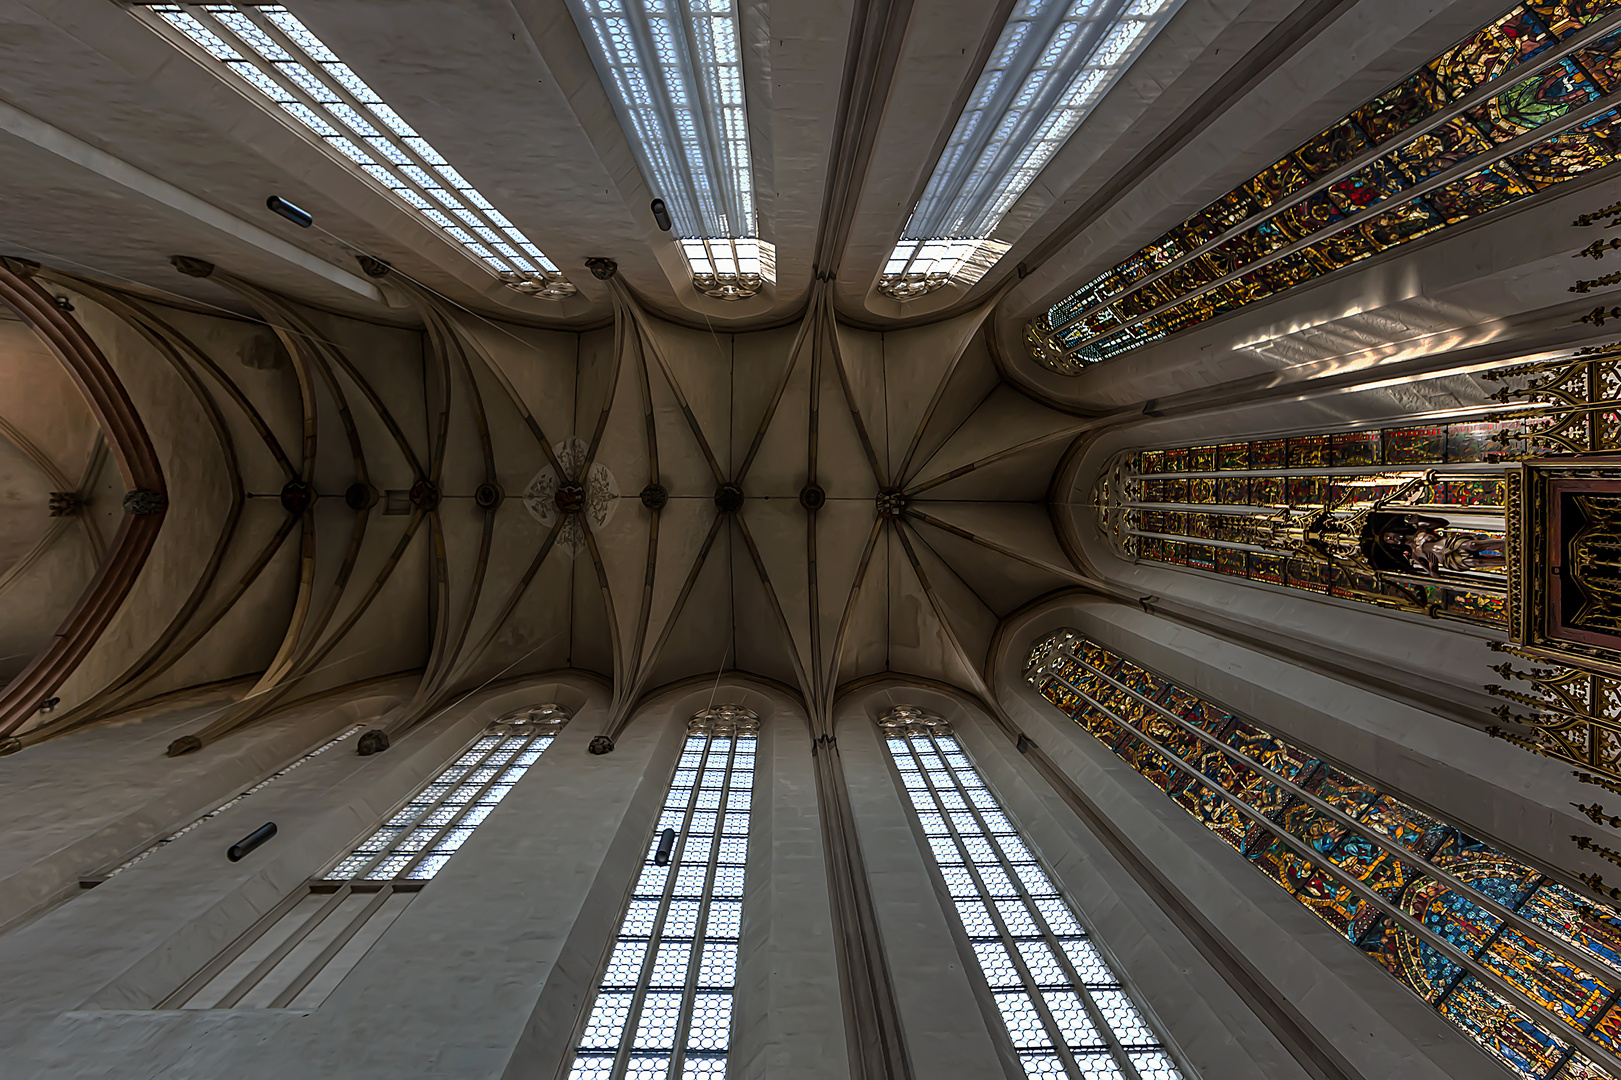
(137, 459)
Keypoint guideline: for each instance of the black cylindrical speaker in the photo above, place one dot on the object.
(296, 214)
(661, 214)
(661, 857)
(238, 850)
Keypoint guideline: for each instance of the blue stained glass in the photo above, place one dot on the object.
(1571, 983)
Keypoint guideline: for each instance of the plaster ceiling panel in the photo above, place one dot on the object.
(593, 643)
(40, 594)
(942, 409)
(969, 618)
(984, 437)
(622, 448)
(843, 467)
(538, 634)
(685, 527)
(1000, 581)
(622, 546)
(865, 650)
(392, 635)
(760, 644)
(593, 387)
(459, 546)
(919, 643)
(701, 638)
(250, 356)
(700, 365)
(779, 528)
(41, 413)
(385, 395)
(536, 372)
(241, 638)
(778, 467)
(844, 560)
(1015, 476)
(26, 494)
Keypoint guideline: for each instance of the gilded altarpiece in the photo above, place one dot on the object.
(1564, 560)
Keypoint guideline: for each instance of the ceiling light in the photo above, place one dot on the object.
(266, 48)
(1053, 62)
(675, 73)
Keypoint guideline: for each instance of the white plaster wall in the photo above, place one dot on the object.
(488, 971)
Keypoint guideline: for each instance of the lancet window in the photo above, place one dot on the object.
(675, 74)
(1064, 1008)
(1053, 62)
(296, 956)
(664, 1005)
(1525, 103)
(269, 52)
(1521, 964)
(1409, 518)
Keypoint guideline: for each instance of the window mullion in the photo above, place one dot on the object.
(1055, 1034)
(472, 801)
(1413, 925)
(689, 990)
(1099, 1020)
(645, 976)
(1507, 916)
(1491, 88)
(405, 830)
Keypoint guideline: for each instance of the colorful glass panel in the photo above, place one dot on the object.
(1184, 296)
(1179, 513)
(1533, 940)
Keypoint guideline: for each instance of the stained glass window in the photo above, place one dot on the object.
(1063, 1007)
(664, 1005)
(1521, 964)
(270, 53)
(1449, 143)
(1409, 518)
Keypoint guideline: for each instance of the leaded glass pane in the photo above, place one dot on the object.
(1515, 961)
(418, 840)
(674, 966)
(271, 51)
(1051, 987)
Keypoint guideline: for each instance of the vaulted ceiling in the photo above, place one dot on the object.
(279, 360)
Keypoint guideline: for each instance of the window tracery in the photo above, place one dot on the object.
(1064, 1009)
(1409, 518)
(1053, 62)
(675, 74)
(1524, 104)
(270, 52)
(663, 1007)
(1514, 959)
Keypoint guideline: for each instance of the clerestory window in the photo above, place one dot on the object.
(1052, 64)
(675, 74)
(270, 53)
(301, 950)
(1064, 1008)
(663, 1008)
